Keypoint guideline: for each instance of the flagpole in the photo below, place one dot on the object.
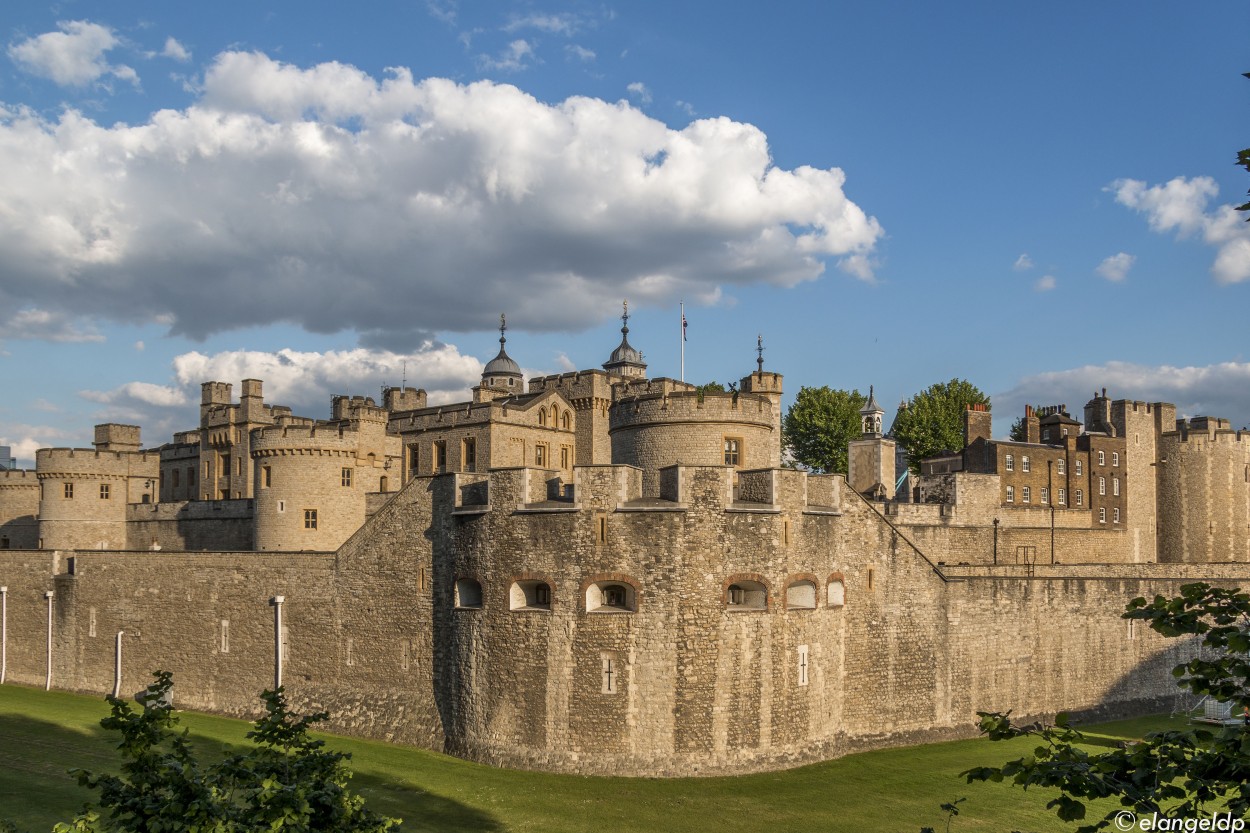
(683, 341)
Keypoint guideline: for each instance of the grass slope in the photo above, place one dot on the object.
(43, 734)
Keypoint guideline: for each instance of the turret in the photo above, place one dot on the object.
(502, 373)
(625, 360)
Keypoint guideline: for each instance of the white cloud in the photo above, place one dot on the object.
(581, 53)
(1115, 268)
(687, 108)
(174, 49)
(443, 11)
(25, 440)
(140, 346)
(1212, 390)
(639, 90)
(516, 56)
(73, 56)
(48, 325)
(335, 201)
(142, 393)
(1023, 263)
(1045, 283)
(556, 24)
(1180, 206)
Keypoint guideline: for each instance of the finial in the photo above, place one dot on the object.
(625, 316)
(759, 349)
(870, 391)
(503, 325)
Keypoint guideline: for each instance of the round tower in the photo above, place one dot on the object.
(501, 372)
(84, 494)
(308, 493)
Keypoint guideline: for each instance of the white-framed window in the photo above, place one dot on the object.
(1102, 485)
(1115, 458)
(1025, 494)
(345, 478)
(1115, 486)
(1011, 494)
(1080, 498)
(1045, 434)
(733, 451)
(1102, 514)
(1102, 458)
(1063, 497)
(1078, 466)
(1024, 463)
(1045, 495)
(1010, 462)
(1061, 466)
(1115, 515)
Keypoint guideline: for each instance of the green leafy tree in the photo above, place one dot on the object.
(1176, 774)
(287, 783)
(933, 419)
(710, 387)
(818, 426)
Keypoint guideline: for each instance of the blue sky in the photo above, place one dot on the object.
(326, 196)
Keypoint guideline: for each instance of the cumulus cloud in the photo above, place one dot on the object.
(1180, 206)
(25, 440)
(581, 53)
(73, 56)
(1212, 390)
(144, 393)
(1115, 268)
(1023, 263)
(174, 49)
(333, 200)
(48, 325)
(1045, 283)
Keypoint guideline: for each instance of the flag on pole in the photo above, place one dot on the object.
(683, 326)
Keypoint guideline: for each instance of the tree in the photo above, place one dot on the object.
(287, 783)
(818, 426)
(933, 419)
(1175, 774)
(1020, 428)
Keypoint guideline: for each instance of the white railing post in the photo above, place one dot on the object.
(277, 641)
(47, 685)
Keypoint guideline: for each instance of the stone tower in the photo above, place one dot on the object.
(870, 459)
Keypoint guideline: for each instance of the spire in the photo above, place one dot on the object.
(759, 351)
(502, 371)
(871, 414)
(503, 328)
(625, 360)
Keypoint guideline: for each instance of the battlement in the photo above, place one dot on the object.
(361, 408)
(760, 381)
(330, 437)
(668, 405)
(56, 462)
(403, 399)
(1205, 433)
(659, 386)
(18, 477)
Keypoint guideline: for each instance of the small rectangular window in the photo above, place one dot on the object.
(1011, 494)
(310, 519)
(1115, 515)
(1061, 466)
(1078, 466)
(1102, 485)
(540, 455)
(266, 477)
(191, 477)
(565, 454)
(1024, 463)
(91, 622)
(1115, 486)
(1080, 498)
(225, 636)
(175, 474)
(1011, 462)
(1102, 458)
(440, 456)
(69, 490)
(602, 528)
(1102, 514)
(1025, 494)
(1115, 458)
(1063, 497)
(1045, 495)
(733, 451)
(105, 491)
(468, 455)
(346, 477)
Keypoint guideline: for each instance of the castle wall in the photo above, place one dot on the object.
(190, 525)
(1142, 424)
(1204, 492)
(19, 509)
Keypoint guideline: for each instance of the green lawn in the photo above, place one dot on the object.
(43, 734)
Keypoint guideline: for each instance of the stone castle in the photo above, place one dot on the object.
(601, 572)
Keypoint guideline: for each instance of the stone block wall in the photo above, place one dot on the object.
(19, 509)
(1204, 491)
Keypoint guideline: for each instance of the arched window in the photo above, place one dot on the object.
(611, 597)
(565, 421)
(745, 594)
(529, 594)
(468, 594)
(542, 416)
(801, 595)
(835, 590)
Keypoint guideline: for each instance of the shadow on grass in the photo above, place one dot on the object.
(37, 791)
